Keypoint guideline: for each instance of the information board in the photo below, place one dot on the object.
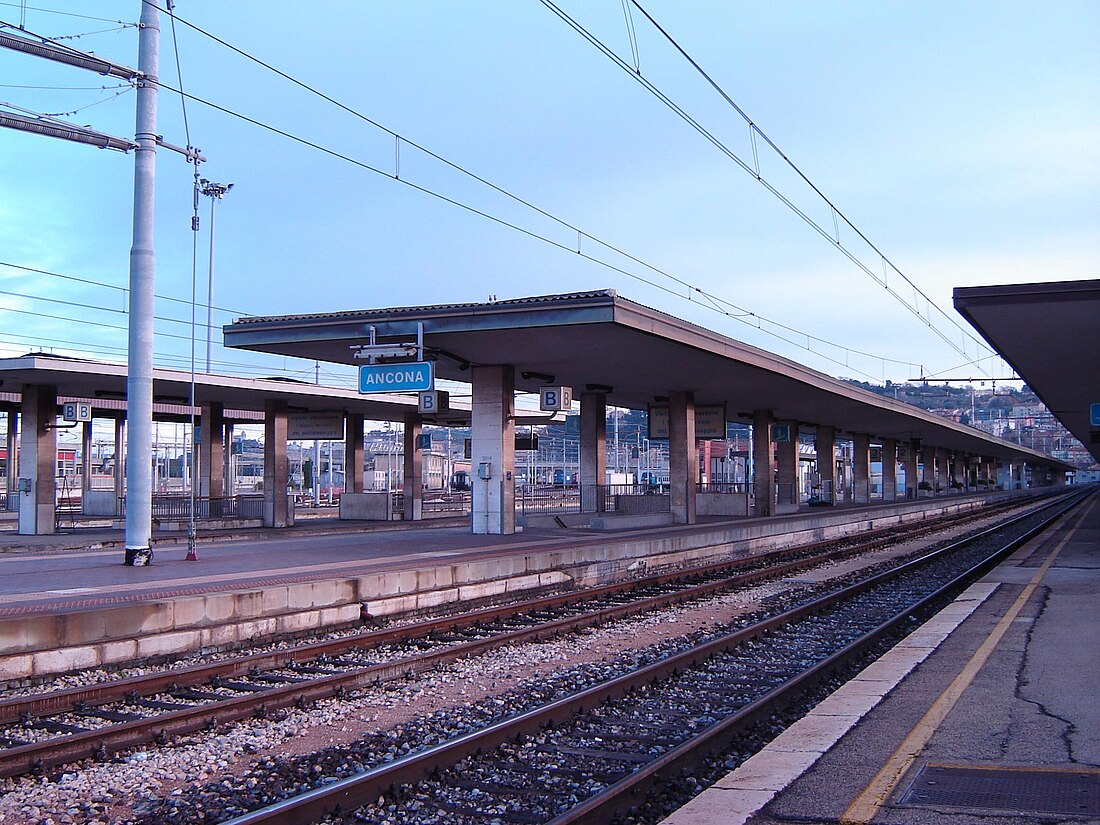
(416, 376)
(710, 422)
(326, 426)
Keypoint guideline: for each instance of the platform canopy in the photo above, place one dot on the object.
(106, 383)
(599, 341)
(1050, 334)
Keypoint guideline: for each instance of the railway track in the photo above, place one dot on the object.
(591, 755)
(43, 731)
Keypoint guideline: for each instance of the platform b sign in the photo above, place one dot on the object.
(73, 411)
(555, 399)
(432, 402)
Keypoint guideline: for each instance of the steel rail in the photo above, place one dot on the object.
(99, 742)
(60, 701)
(623, 795)
(352, 792)
(12, 710)
(116, 737)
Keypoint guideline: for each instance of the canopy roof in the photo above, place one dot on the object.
(600, 341)
(1050, 334)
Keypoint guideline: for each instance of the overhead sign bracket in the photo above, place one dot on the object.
(376, 353)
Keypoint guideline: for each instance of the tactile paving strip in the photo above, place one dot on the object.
(1039, 790)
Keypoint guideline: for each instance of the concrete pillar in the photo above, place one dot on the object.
(38, 460)
(229, 479)
(593, 458)
(120, 462)
(826, 462)
(940, 483)
(86, 459)
(12, 469)
(861, 468)
(683, 456)
(276, 465)
(493, 450)
(890, 469)
(787, 494)
(355, 461)
(763, 463)
(414, 469)
(212, 452)
(912, 471)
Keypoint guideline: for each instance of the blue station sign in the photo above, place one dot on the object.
(417, 376)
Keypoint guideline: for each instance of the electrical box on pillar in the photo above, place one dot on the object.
(485, 470)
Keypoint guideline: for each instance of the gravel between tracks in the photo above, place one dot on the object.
(126, 789)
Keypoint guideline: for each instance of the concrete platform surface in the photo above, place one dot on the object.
(67, 602)
(82, 568)
(1006, 680)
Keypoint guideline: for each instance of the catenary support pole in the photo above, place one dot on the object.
(139, 380)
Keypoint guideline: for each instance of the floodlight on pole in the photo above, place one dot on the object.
(214, 191)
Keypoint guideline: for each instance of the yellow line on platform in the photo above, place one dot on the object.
(867, 805)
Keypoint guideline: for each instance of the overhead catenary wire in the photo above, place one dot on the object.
(739, 314)
(57, 50)
(83, 305)
(79, 109)
(179, 79)
(24, 7)
(692, 290)
(754, 170)
(233, 367)
(106, 285)
(99, 324)
(120, 28)
(98, 346)
(64, 88)
(715, 303)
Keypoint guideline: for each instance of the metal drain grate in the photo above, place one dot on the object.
(1008, 789)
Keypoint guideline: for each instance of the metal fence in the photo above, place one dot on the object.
(548, 499)
(206, 507)
(435, 503)
(635, 499)
(449, 503)
(9, 502)
(723, 487)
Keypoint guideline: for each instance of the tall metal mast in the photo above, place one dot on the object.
(139, 379)
(139, 382)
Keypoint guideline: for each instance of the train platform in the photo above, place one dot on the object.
(987, 713)
(73, 604)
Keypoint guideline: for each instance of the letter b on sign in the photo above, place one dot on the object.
(435, 401)
(555, 398)
(76, 412)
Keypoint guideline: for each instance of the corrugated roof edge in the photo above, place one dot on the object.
(365, 313)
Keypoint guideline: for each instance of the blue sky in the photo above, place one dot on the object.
(962, 139)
